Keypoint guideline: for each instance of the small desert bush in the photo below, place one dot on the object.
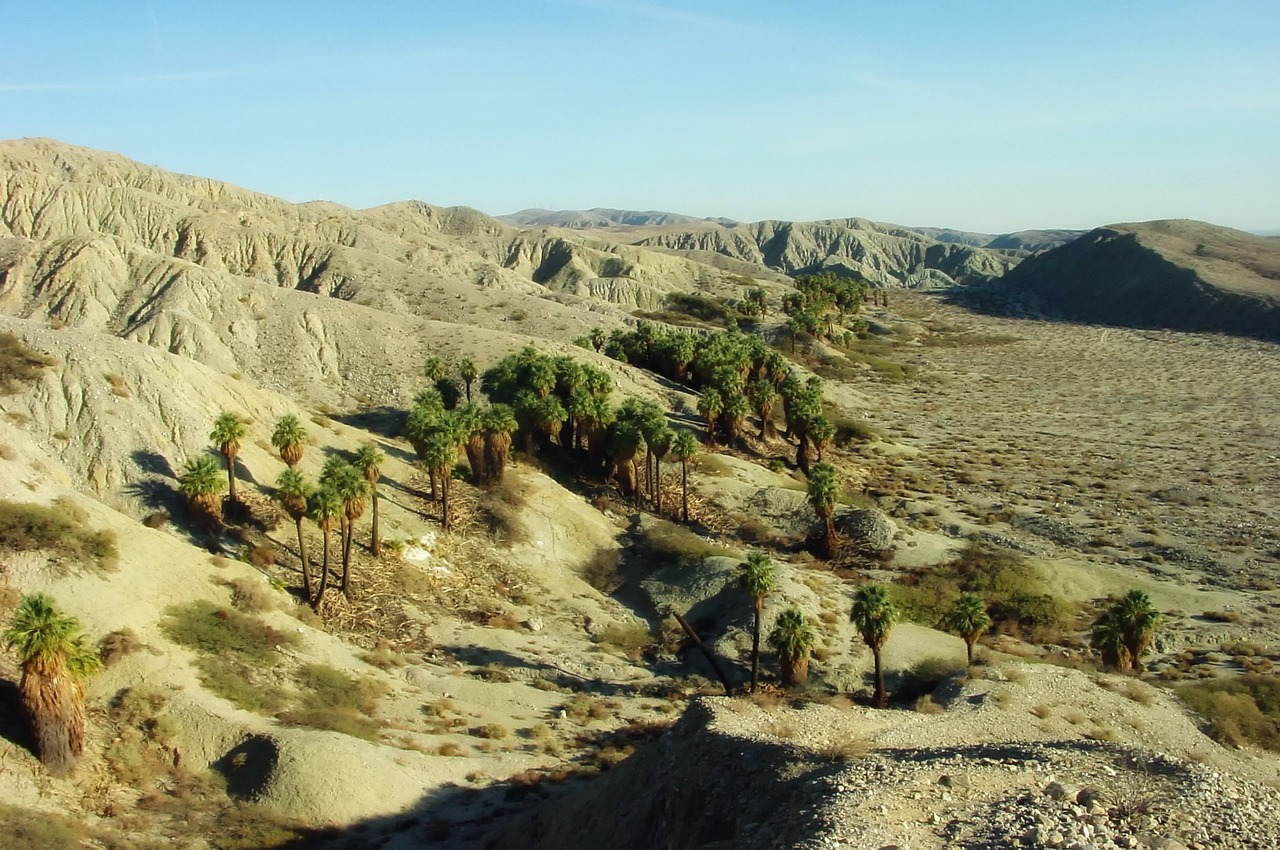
(1243, 710)
(491, 731)
(602, 572)
(926, 675)
(666, 542)
(502, 503)
(628, 638)
(60, 530)
(251, 596)
(19, 364)
(116, 645)
(26, 829)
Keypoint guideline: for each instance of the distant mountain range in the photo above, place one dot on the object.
(1178, 274)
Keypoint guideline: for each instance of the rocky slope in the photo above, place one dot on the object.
(1185, 275)
(886, 255)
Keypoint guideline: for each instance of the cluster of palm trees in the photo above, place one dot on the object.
(338, 500)
(793, 636)
(822, 304)
(1126, 630)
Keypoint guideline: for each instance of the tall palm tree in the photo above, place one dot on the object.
(1139, 622)
(758, 578)
(764, 397)
(968, 618)
(710, 405)
(369, 460)
(1108, 638)
(290, 439)
(353, 489)
(793, 638)
(292, 491)
(201, 483)
(441, 454)
(824, 488)
(228, 429)
(685, 449)
(874, 614)
(56, 660)
(468, 372)
(499, 423)
(821, 432)
(326, 510)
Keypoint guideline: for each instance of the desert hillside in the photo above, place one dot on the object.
(542, 539)
(1186, 275)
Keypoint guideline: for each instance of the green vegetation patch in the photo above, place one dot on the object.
(1015, 594)
(1239, 711)
(665, 541)
(333, 700)
(235, 650)
(61, 530)
(684, 308)
(19, 364)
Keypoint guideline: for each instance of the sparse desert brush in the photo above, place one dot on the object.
(927, 705)
(665, 542)
(334, 700)
(1042, 711)
(493, 731)
(251, 596)
(117, 644)
(61, 530)
(449, 748)
(1238, 711)
(19, 364)
(628, 638)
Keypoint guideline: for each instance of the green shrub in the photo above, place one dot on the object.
(61, 530)
(206, 628)
(23, 829)
(1239, 711)
(335, 701)
(665, 541)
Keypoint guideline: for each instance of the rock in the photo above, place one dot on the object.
(1056, 791)
(534, 624)
(869, 530)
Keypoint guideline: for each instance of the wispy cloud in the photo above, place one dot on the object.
(683, 17)
(123, 83)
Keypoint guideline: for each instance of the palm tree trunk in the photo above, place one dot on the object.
(882, 696)
(306, 565)
(684, 490)
(706, 653)
(445, 519)
(968, 648)
(755, 647)
(54, 703)
(348, 531)
(657, 486)
(829, 535)
(231, 475)
(376, 541)
(324, 572)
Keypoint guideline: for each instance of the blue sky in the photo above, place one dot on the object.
(992, 116)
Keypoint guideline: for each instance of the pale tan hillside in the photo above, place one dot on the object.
(519, 679)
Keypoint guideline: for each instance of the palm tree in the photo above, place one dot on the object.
(968, 618)
(874, 614)
(292, 492)
(597, 337)
(824, 487)
(441, 454)
(685, 449)
(353, 489)
(821, 432)
(56, 660)
(1108, 639)
(793, 637)
(369, 461)
(710, 405)
(764, 397)
(433, 367)
(201, 483)
(468, 372)
(499, 422)
(758, 578)
(290, 439)
(228, 428)
(1139, 622)
(326, 509)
